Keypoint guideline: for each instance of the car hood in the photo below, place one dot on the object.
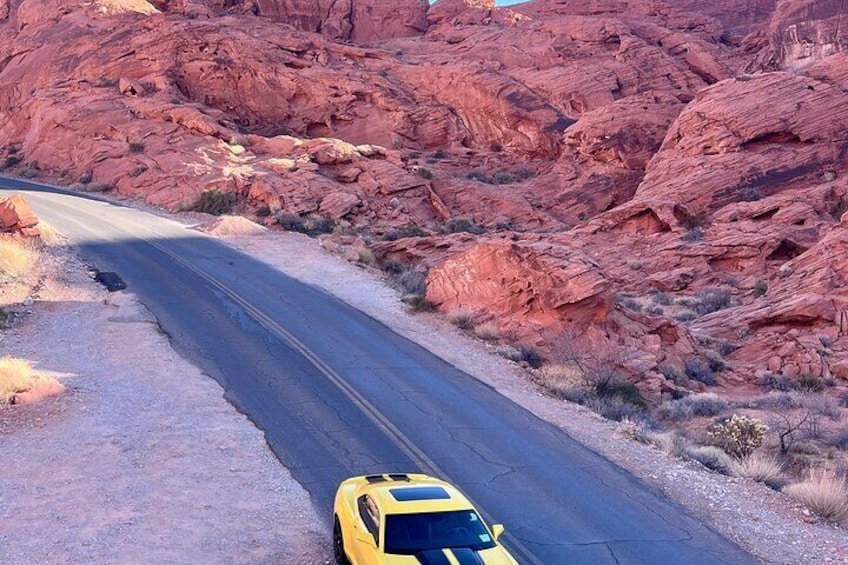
(455, 556)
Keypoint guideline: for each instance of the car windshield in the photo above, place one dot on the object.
(408, 534)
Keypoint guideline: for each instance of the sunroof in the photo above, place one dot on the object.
(408, 494)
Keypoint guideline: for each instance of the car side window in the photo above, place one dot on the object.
(370, 515)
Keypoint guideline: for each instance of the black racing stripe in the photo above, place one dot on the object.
(432, 557)
(467, 556)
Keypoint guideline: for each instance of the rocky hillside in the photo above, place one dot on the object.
(659, 182)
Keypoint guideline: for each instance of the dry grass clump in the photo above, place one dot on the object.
(16, 375)
(488, 331)
(559, 379)
(823, 493)
(462, 318)
(762, 468)
(17, 259)
(710, 457)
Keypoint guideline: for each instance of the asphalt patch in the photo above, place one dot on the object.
(112, 281)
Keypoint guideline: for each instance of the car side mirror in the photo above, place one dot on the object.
(366, 538)
(497, 531)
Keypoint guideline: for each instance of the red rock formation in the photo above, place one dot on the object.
(612, 149)
(16, 217)
(803, 32)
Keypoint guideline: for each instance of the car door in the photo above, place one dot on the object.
(366, 536)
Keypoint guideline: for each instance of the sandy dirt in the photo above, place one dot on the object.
(143, 461)
(114, 471)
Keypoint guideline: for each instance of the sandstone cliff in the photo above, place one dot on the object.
(651, 177)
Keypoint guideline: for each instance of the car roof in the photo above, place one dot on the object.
(412, 494)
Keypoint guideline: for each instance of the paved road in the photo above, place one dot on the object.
(339, 394)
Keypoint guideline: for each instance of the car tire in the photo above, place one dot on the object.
(338, 543)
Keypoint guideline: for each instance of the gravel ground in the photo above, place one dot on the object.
(143, 461)
(114, 471)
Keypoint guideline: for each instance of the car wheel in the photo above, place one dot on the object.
(338, 543)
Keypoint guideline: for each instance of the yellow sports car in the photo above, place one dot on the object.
(406, 519)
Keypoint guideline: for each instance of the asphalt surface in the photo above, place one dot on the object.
(340, 394)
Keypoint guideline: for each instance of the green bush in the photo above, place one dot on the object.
(215, 202)
(137, 147)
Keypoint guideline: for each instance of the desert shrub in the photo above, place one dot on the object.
(366, 256)
(393, 267)
(137, 147)
(760, 288)
(824, 494)
(215, 202)
(425, 173)
(656, 310)
(503, 177)
(263, 211)
(97, 187)
(712, 300)
(751, 194)
(525, 174)
(685, 317)
(411, 281)
(775, 382)
(411, 230)
(17, 260)
(509, 352)
(291, 222)
(765, 469)
(558, 378)
(317, 225)
(706, 404)
(439, 154)
(715, 361)
(672, 443)
(105, 82)
(530, 355)
(710, 457)
(138, 171)
(86, 178)
(699, 371)
(738, 435)
(459, 225)
(673, 373)
(16, 375)
(807, 382)
(462, 318)
(29, 173)
(479, 177)
(725, 348)
(616, 409)
(662, 298)
(838, 439)
(488, 331)
(11, 161)
(693, 235)
(629, 303)
(419, 303)
(843, 399)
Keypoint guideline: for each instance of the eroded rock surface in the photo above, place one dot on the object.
(653, 178)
